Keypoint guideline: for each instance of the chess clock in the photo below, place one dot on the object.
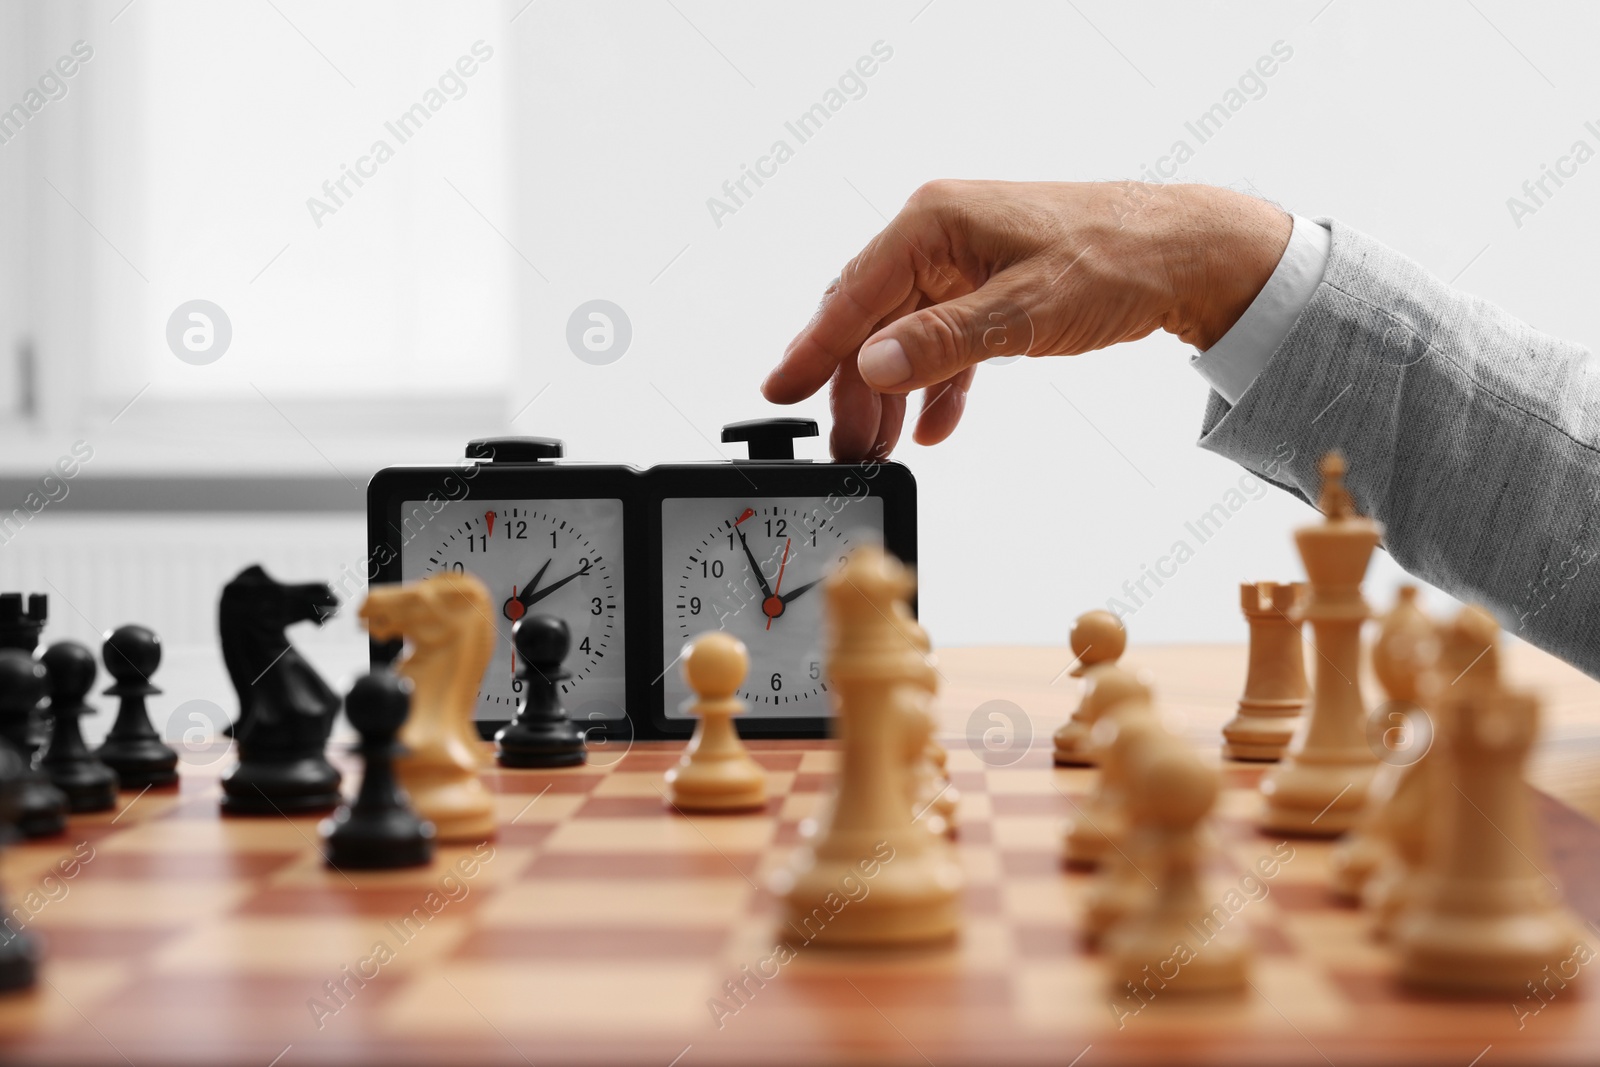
(543, 536)
(637, 562)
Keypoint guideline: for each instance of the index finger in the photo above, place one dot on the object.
(873, 284)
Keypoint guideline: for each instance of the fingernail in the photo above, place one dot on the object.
(884, 363)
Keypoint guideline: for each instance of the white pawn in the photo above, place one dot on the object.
(1125, 881)
(716, 772)
(937, 795)
(1402, 657)
(924, 781)
(1175, 939)
(1098, 640)
(933, 797)
(1113, 696)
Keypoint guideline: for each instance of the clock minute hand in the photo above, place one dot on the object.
(516, 605)
(755, 568)
(791, 594)
(552, 587)
(533, 583)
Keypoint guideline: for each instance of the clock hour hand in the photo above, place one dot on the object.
(530, 600)
(533, 583)
(521, 600)
(791, 594)
(755, 568)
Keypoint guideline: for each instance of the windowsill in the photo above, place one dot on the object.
(227, 453)
(191, 493)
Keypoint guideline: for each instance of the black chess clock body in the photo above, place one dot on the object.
(638, 561)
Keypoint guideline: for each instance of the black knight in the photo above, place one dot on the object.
(286, 710)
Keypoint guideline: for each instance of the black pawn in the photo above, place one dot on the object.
(542, 735)
(88, 784)
(40, 808)
(19, 956)
(133, 748)
(379, 830)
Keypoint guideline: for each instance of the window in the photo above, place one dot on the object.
(333, 178)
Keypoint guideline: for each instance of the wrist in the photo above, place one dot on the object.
(1225, 245)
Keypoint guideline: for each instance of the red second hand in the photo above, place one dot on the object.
(775, 589)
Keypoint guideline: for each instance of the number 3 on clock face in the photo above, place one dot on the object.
(754, 568)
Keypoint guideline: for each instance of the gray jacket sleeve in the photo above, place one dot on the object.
(1472, 437)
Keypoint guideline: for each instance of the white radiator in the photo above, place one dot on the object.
(166, 571)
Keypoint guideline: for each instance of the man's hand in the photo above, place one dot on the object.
(970, 270)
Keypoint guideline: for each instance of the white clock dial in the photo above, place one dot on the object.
(545, 557)
(754, 568)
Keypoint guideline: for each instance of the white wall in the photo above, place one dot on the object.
(1413, 122)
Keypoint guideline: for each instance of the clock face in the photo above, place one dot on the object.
(754, 568)
(546, 557)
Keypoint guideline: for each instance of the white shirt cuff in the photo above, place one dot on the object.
(1235, 361)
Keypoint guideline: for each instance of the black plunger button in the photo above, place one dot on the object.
(515, 449)
(770, 438)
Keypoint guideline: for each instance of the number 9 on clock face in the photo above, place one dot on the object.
(754, 567)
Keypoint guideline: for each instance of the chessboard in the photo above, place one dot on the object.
(601, 927)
